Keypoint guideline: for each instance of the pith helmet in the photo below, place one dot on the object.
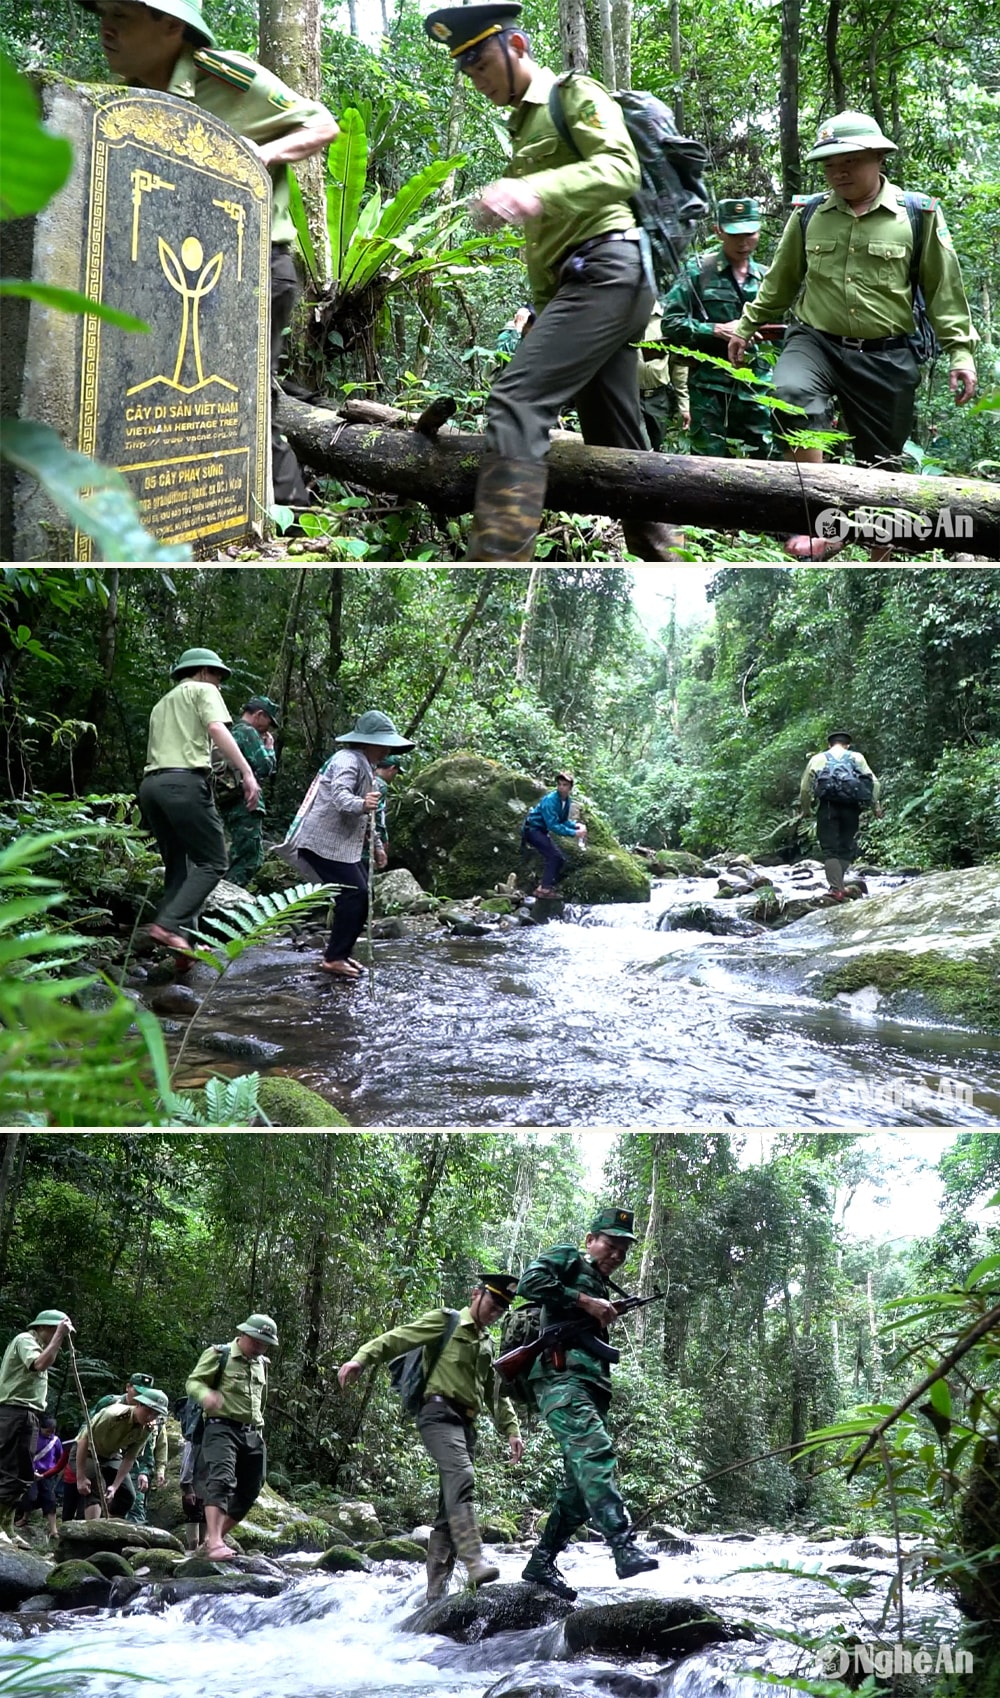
(613, 1223)
(48, 1318)
(377, 728)
(500, 1285)
(460, 27)
(154, 1398)
(189, 12)
(838, 737)
(850, 132)
(260, 1326)
(193, 659)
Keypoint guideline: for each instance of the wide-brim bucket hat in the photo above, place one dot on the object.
(377, 728)
(850, 132)
(189, 12)
(192, 659)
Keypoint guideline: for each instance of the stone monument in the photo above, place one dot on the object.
(166, 216)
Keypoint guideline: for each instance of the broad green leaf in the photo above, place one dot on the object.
(297, 209)
(34, 165)
(69, 300)
(988, 1265)
(401, 210)
(96, 499)
(940, 1397)
(346, 165)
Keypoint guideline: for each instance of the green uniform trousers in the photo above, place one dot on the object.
(576, 1409)
(578, 353)
(179, 809)
(246, 843)
(451, 1441)
(874, 392)
(719, 415)
(232, 1463)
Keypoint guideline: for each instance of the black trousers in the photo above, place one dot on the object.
(286, 473)
(837, 825)
(350, 910)
(875, 393)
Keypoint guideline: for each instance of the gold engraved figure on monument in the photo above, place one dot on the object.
(142, 183)
(239, 216)
(192, 295)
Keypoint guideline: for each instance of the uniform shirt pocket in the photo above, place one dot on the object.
(889, 261)
(820, 255)
(537, 155)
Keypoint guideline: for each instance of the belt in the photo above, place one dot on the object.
(459, 1408)
(201, 771)
(230, 1421)
(862, 344)
(598, 241)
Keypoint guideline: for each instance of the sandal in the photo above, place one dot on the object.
(339, 970)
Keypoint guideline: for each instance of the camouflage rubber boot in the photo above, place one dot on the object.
(440, 1562)
(629, 1560)
(510, 500)
(469, 1545)
(651, 541)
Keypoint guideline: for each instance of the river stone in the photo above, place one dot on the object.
(76, 1583)
(459, 833)
(671, 1539)
(468, 1617)
(175, 999)
(220, 1585)
(111, 1565)
(79, 1538)
(880, 1548)
(155, 1561)
(38, 1604)
(343, 1559)
(706, 917)
(647, 1627)
(21, 1575)
(242, 1044)
(395, 1550)
(287, 1102)
(422, 1535)
(358, 1519)
(516, 1686)
(124, 1587)
(396, 891)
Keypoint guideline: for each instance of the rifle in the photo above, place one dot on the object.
(564, 1335)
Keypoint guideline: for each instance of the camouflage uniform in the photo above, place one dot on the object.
(707, 293)
(244, 830)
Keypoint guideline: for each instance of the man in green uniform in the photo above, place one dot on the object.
(841, 783)
(386, 769)
(700, 313)
(24, 1386)
(253, 736)
(171, 48)
(230, 1383)
(572, 1389)
(152, 1458)
(459, 1386)
(584, 255)
(847, 279)
(119, 1434)
(664, 386)
(176, 792)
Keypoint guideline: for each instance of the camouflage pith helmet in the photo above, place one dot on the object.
(192, 660)
(377, 728)
(48, 1318)
(153, 1398)
(260, 1326)
(613, 1223)
(850, 132)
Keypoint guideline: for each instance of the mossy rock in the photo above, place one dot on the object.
(344, 1559)
(675, 863)
(287, 1102)
(647, 1627)
(197, 1568)
(358, 1519)
(158, 1560)
(313, 1534)
(111, 1565)
(965, 993)
(395, 1550)
(459, 832)
(77, 1583)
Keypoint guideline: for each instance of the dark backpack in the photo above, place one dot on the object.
(409, 1373)
(922, 341)
(671, 196)
(195, 1416)
(841, 781)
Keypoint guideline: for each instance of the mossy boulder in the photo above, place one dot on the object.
(78, 1539)
(155, 1561)
(468, 1617)
(926, 986)
(459, 832)
(221, 1585)
(357, 1519)
(75, 1583)
(674, 863)
(287, 1102)
(647, 1627)
(395, 1550)
(343, 1559)
(111, 1565)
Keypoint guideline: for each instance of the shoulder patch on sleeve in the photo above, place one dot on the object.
(228, 67)
(589, 115)
(281, 100)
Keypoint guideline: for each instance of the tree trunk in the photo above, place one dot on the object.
(833, 58)
(290, 42)
(677, 90)
(316, 1277)
(649, 1243)
(608, 72)
(468, 622)
(530, 601)
(621, 36)
(875, 1358)
(775, 499)
(788, 100)
(11, 1168)
(335, 658)
(573, 35)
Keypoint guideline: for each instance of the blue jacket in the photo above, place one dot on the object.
(551, 814)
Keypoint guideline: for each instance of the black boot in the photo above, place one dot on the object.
(510, 500)
(629, 1560)
(541, 1569)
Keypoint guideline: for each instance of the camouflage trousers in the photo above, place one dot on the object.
(718, 416)
(245, 833)
(575, 1409)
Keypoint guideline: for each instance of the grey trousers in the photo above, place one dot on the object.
(451, 1441)
(875, 393)
(179, 809)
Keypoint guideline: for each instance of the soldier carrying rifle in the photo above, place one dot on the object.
(571, 1383)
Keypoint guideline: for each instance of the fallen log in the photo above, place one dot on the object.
(917, 514)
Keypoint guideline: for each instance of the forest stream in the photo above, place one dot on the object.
(597, 1018)
(346, 1636)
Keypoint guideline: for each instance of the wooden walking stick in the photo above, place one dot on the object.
(101, 1493)
(371, 895)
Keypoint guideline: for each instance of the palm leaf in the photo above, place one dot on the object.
(401, 209)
